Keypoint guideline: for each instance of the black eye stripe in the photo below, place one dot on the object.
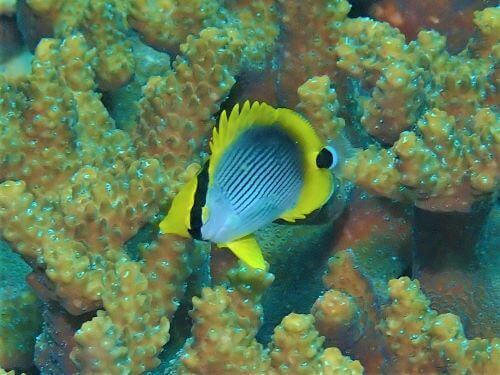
(324, 159)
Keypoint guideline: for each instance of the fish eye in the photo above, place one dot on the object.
(327, 158)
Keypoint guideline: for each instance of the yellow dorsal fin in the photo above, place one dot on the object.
(230, 128)
(177, 220)
(248, 250)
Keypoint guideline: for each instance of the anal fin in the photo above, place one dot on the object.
(248, 250)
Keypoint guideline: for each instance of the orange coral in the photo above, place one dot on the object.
(175, 113)
(104, 25)
(166, 24)
(74, 200)
(420, 340)
(318, 102)
(309, 36)
(450, 17)
(226, 321)
(338, 317)
(225, 325)
(75, 187)
(453, 123)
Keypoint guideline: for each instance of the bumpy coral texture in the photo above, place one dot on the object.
(420, 340)
(226, 320)
(101, 133)
(104, 24)
(319, 104)
(387, 86)
(82, 187)
(454, 130)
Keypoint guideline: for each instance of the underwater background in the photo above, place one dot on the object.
(106, 110)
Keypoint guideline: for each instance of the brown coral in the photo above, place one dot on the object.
(166, 24)
(225, 325)
(318, 102)
(75, 188)
(420, 340)
(437, 163)
(104, 25)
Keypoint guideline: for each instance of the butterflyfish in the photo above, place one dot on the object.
(265, 164)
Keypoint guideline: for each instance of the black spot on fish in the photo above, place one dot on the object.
(324, 159)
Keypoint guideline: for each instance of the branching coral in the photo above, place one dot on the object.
(308, 41)
(451, 158)
(448, 17)
(76, 233)
(388, 86)
(76, 188)
(90, 187)
(296, 348)
(420, 340)
(440, 166)
(409, 336)
(226, 322)
(175, 112)
(318, 102)
(104, 25)
(166, 24)
(110, 342)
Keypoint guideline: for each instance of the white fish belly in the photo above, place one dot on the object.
(258, 179)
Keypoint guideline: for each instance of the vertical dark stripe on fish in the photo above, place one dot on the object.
(200, 197)
(261, 161)
(262, 190)
(268, 189)
(231, 167)
(271, 175)
(263, 172)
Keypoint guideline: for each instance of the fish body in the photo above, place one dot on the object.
(265, 164)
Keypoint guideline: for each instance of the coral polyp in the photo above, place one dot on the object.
(106, 110)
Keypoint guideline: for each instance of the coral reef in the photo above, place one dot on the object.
(114, 113)
(104, 25)
(226, 321)
(452, 130)
(20, 312)
(451, 18)
(420, 340)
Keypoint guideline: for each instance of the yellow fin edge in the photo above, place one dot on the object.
(318, 183)
(177, 220)
(248, 250)
(230, 128)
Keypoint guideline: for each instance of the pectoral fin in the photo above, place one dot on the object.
(248, 250)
